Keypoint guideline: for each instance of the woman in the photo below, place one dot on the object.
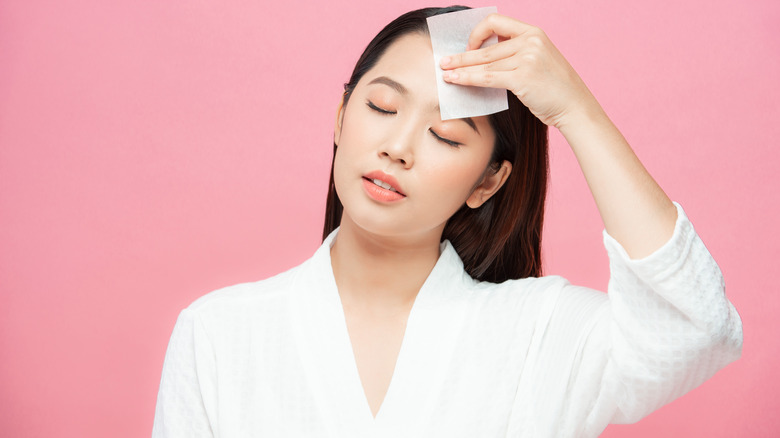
(424, 312)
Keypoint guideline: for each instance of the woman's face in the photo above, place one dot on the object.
(391, 134)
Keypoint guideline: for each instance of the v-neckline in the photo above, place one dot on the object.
(393, 377)
(328, 355)
(355, 378)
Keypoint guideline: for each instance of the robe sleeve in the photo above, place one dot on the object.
(666, 328)
(185, 402)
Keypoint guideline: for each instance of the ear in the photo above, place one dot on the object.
(339, 119)
(491, 182)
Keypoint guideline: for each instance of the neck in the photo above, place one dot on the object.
(379, 272)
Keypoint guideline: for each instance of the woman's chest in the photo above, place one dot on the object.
(376, 342)
(445, 373)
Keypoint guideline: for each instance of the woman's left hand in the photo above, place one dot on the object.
(524, 62)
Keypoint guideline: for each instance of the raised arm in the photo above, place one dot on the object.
(634, 209)
(666, 325)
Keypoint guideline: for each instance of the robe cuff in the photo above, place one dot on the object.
(664, 261)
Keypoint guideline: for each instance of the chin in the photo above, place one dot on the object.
(390, 227)
(372, 223)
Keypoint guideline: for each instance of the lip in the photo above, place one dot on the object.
(376, 174)
(381, 194)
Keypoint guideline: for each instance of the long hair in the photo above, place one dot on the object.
(501, 239)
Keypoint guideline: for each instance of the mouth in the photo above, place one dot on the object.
(382, 184)
(387, 182)
(382, 188)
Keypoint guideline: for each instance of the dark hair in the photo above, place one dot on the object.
(501, 239)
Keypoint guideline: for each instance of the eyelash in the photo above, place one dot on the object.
(379, 110)
(444, 140)
(390, 113)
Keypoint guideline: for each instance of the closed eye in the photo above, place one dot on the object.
(379, 110)
(389, 113)
(444, 140)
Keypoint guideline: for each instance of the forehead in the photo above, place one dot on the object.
(409, 61)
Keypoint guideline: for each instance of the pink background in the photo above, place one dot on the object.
(153, 151)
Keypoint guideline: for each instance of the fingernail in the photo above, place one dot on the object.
(445, 61)
(450, 75)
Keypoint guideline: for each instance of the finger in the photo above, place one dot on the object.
(480, 78)
(506, 64)
(480, 56)
(500, 25)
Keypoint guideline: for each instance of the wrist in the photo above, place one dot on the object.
(585, 116)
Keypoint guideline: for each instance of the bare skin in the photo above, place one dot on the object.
(377, 302)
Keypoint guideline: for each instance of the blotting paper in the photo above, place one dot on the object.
(449, 36)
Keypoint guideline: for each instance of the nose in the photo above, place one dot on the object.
(400, 145)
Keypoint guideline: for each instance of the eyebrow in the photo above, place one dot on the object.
(390, 83)
(402, 90)
(468, 121)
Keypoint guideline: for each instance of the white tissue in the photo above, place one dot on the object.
(449, 36)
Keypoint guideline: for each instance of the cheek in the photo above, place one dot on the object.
(358, 131)
(455, 179)
(341, 168)
(348, 146)
(351, 157)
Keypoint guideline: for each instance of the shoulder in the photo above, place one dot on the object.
(451, 271)
(533, 293)
(251, 299)
(510, 298)
(523, 287)
(243, 293)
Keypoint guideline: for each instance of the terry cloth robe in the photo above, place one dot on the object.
(536, 357)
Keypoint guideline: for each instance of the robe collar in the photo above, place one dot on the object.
(329, 362)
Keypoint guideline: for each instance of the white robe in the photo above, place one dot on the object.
(536, 357)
